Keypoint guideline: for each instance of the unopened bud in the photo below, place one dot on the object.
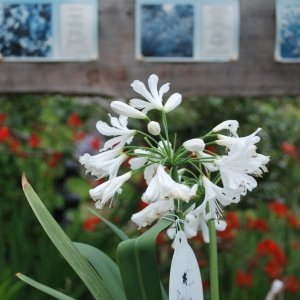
(194, 145)
(153, 128)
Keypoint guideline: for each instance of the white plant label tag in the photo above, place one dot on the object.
(185, 278)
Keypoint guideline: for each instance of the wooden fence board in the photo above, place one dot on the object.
(255, 73)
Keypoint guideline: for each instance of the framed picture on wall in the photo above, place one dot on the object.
(287, 44)
(48, 30)
(187, 30)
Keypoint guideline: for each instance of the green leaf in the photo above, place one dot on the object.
(65, 246)
(138, 266)
(52, 292)
(105, 267)
(112, 226)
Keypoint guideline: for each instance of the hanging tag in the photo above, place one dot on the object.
(185, 278)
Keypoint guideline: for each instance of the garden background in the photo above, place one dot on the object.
(44, 136)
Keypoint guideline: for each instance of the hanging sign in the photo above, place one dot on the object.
(49, 30)
(287, 45)
(185, 279)
(187, 30)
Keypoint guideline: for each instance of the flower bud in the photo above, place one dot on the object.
(153, 128)
(194, 145)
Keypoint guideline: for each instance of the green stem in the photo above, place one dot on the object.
(213, 254)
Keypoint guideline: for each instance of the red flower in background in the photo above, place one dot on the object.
(289, 149)
(205, 284)
(90, 224)
(34, 140)
(2, 118)
(233, 224)
(78, 136)
(257, 224)
(291, 284)
(96, 143)
(243, 279)
(271, 248)
(293, 221)
(232, 220)
(276, 256)
(141, 204)
(14, 145)
(273, 269)
(279, 209)
(74, 120)
(54, 159)
(4, 134)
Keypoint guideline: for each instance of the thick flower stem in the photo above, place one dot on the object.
(213, 257)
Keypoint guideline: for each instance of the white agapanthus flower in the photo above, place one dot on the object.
(153, 212)
(162, 186)
(122, 135)
(218, 197)
(240, 165)
(196, 220)
(230, 142)
(154, 97)
(194, 187)
(107, 190)
(105, 163)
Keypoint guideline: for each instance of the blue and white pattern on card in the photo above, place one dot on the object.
(287, 45)
(48, 30)
(187, 30)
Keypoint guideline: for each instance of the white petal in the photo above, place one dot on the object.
(149, 172)
(152, 83)
(152, 212)
(231, 125)
(164, 89)
(141, 104)
(172, 102)
(126, 110)
(220, 225)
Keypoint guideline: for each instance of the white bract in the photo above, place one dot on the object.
(185, 181)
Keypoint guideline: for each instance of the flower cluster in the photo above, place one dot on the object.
(186, 180)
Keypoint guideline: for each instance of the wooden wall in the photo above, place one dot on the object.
(256, 72)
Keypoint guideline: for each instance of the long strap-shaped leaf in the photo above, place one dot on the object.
(65, 246)
(137, 263)
(106, 268)
(46, 289)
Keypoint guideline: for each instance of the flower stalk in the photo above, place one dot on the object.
(213, 261)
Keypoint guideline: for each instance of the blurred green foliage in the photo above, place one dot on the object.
(45, 133)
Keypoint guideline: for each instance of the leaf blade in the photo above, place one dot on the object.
(137, 262)
(65, 246)
(44, 288)
(105, 267)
